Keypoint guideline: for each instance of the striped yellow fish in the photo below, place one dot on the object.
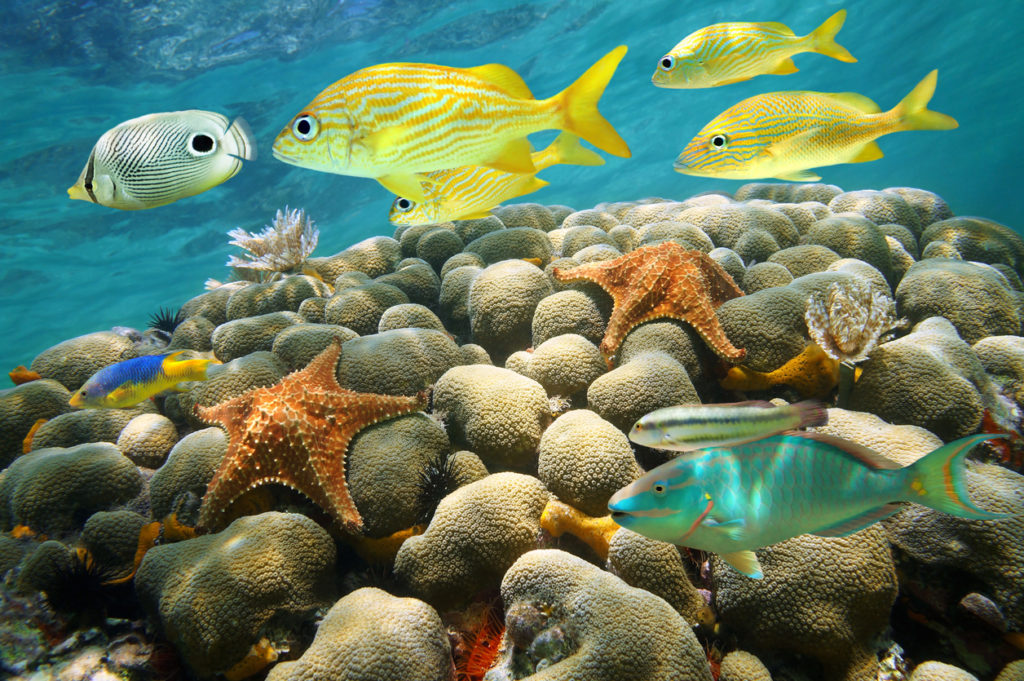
(784, 134)
(736, 51)
(159, 158)
(395, 122)
(471, 192)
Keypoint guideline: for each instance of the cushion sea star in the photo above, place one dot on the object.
(296, 433)
(664, 280)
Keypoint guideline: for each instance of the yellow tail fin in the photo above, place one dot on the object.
(823, 38)
(578, 104)
(913, 112)
(566, 149)
(186, 369)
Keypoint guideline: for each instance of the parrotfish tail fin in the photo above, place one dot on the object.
(578, 104)
(823, 38)
(937, 480)
(566, 149)
(239, 140)
(812, 413)
(913, 112)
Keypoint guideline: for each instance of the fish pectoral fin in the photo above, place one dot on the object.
(784, 68)
(787, 145)
(734, 529)
(745, 562)
(858, 522)
(390, 136)
(503, 77)
(799, 176)
(408, 186)
(869, 152)
(514, 157)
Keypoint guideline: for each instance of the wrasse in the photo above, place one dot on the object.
(736, 51)
(783, 134)
(733, 500)
(156, 159)
(685, 428)
(129, 382)
(395, 122)
(472, 191)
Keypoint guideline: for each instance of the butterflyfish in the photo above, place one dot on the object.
(397, 122)
(159, 158)
(785, 134)
(685, 428)
(471, 192)
(736, 51)
(732, 500)
(127, 383)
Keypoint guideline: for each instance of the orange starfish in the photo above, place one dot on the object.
(664, 280)
(295, 433)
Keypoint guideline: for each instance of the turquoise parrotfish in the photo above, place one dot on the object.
(732, 500)
(127, 383)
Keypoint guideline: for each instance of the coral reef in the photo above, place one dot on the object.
(282, 246)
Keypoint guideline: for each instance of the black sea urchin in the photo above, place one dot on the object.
(437, 480)
(166, 319)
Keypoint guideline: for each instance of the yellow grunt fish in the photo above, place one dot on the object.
(471, 192)
(736, 51)
(784, 134)
(395, 122)
(156, 159)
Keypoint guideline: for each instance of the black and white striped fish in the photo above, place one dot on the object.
(155, 159)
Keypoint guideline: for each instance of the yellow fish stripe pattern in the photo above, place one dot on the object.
(471, 192)
(396, 122)
(784, 134)
(736, 51)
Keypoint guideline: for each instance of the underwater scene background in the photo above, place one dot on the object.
(72, 70)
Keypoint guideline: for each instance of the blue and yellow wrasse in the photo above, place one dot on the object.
(129, 382)
(734, 500)
(784, 134)
(395, 122)
(472, 191)
(688, 427)
(737, 51)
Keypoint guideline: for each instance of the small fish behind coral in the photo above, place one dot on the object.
(129, 382)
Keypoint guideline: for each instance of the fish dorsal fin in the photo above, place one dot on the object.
(774, 26)
(855, 100)
(869, 152)
(859, 522)
(745, 562)
(173, 357)
(868, 457)
(504, 78)
(764, 404)
(514, 157)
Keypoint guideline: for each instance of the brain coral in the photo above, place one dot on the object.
(147, 439)
(193, 333)
(494, 412)
(645, 383)
(349, 279)
(726, 223)
(86, 425)
(677, 340)
(975, 298)
(570, 312)
(518, 242)
(460, 260)
(804, 259)
(231, 380)
(755, 245)
(112, 538)
(213, 594)
(179, 485)
(978, 239)
(241, 337)
(73, 361)
(779, 191)
(409, 315)
(930, 207)
(626, 238)
(568, 620)
(374, 256)
(213, 304)
(769, 324)
(312, 310)
(277, 296)
(595, 218)
(577, 238)
(477, 532)
(765, 275)
(502, 300)
(1003, 359)
(54, 490)
(880, 207)
(20, 408)
(399, 362)
(300, 343)
(564, 365)
(826, 598)
(742, 666)
(940, 671)
(416, 279)
(360, 307)
(670, 230)
(802, 215)
(470, 230)
(453, 300)
(526, 215)
(370, 635)
(852, 236)
(584, 460)
(437, 246)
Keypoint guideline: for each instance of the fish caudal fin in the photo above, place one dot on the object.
(578, 104)
(823, 38)
(913, 112)
(937, 480)
(238, 141)
(566, 149)
(812, 413)
(186, 369)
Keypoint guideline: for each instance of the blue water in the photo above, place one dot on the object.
(70, 71)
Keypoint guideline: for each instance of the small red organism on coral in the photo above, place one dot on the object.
(22, 374)
(481, 646)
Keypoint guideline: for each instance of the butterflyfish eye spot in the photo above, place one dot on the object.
(201, 143)
(305, 127)
(667, 62)
(719, 141)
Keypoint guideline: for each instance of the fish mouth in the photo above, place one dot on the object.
(76, 401)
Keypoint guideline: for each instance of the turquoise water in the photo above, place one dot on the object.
(70, 71)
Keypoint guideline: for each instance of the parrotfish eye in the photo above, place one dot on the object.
(305, 127)
(659, 488)
(201, 144)
(404, 205)
(719, 141)
(667, 62)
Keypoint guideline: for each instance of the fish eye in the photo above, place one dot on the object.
(404, 205)
(659, 488)
(719, 141)
(305, 127)
(667, 62)
(201, 144)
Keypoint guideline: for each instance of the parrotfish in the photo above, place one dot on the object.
(784, 134)
(472, 191)
(156, 159)
(397, 122)
(736, 51)
(688, 427)
(734, 500)
(129, 382)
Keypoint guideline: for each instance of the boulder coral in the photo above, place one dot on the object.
(193, 333)
(409, 316)
(86, 425)
(180, 483)
(453, 300)
(568, 312)
(416, 279)
(213, 304)
(502, 300)
(852, 236)
(300, 343)
(147, 439)
(22, 406)
(256, 370)
(373, 257)
(360, 307)
(765, 275)
(880, 207)
(241, 337)
(73, 361)
(978, 239)
(769, 324)
(532, 215)
(398, 362)
(284, 295)
(805, 258)
(565, 365)
(516, 242)
(647, 382)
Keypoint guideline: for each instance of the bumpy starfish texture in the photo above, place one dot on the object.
(664, 280)
(296, 433)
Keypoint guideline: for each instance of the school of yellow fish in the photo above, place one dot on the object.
(453, 144)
